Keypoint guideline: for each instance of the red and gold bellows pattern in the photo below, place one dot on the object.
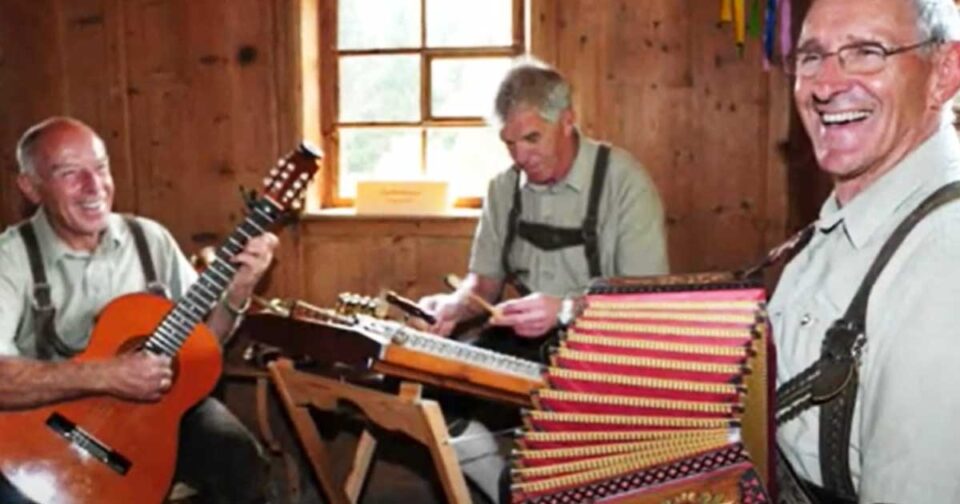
(658, 393)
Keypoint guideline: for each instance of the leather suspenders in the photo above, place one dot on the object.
(154, 285)
(546, 237)
(44, 314)
(48, 342)
(832, 381)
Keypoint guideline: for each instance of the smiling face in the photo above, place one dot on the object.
(71, 180)
(541, 149)
(862, 125)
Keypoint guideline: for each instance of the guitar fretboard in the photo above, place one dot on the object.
(206, 292)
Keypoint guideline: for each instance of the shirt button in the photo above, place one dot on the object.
(805, 319)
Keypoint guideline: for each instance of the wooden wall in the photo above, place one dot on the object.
(195, 97)
(665, 80)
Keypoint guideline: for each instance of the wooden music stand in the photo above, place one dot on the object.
(405, 412)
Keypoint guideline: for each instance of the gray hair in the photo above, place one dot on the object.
(534, 85)
(937, 20)
(27, 145)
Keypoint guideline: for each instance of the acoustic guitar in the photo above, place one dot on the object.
(106, 450)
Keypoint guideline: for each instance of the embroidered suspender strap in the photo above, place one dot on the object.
(43, 312)
(794, 244)
(154, 286)
(832, 381)
(546, 237)
(589, 227)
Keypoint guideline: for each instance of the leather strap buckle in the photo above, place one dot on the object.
(839, 360)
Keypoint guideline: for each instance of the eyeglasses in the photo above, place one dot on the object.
(860, 58)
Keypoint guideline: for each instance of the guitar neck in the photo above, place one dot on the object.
(206, 292)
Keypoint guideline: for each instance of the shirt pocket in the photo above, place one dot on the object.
(804, 323)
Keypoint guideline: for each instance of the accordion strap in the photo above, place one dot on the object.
(831, 382)
(786, 249)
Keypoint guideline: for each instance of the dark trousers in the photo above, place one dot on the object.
(217, 456)
(220, 458)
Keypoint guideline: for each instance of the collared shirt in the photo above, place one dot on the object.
(630, 224)
(81, 282)
(905, 442)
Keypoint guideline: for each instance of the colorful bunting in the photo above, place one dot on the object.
(767, 20)
(739, 21)
(726, 11)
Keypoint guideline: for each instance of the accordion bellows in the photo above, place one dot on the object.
(659, 392)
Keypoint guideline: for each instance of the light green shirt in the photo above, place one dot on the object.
(630, 224)
(905, 441)
(81, 282)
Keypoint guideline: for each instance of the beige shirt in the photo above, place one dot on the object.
(81, 282)
(630, 229)
(905, 439)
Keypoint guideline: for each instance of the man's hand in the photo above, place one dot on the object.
(253, 262)
(530, 316)
(446, 308)
(139, 376)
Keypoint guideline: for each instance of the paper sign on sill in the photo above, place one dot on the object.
(402, 197)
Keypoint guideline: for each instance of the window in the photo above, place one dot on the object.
(408, 85)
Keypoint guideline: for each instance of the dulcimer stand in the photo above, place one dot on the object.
(406, 412)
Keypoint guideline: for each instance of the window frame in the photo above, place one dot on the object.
(329, 87)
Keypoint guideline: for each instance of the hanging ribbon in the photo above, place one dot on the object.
(769, 29)
(726, 11)
(786, 30)
(739, 22)
(755, 19)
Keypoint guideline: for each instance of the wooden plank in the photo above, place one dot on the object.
(329, 75)
(367, 256)
(362, 226)
(32, 86)
(730, 106)
(543, 30)
(436, 258)
(94, 68)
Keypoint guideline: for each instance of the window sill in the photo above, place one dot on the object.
(350, 213)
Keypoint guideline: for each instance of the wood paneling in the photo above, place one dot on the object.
(196, 97)
(664, 80)
(30, 84)
(365, 255)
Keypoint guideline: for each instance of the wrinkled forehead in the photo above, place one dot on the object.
(70, 145)
(521, 121)
(832, 23)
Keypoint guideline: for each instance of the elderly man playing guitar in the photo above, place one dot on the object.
(89, 256)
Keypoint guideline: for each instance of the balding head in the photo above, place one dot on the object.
(34, 141)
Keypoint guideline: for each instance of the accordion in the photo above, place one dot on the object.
(658, 392)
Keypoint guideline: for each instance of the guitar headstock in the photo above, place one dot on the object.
(287, 182)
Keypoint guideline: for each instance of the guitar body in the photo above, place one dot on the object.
(121, 451)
